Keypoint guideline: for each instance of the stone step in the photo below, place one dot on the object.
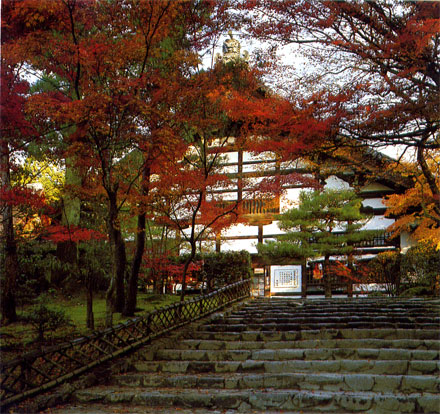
(298, 326)
(297, 319)
(264, 399)
(331, 311)
(420, 344)
(294, 354)
(298, 381)
(332, 305)
(363, 366)
(287, 356)
(311, 300)
(260, 335)
(142, 409)
(337, 312)
(339, 315)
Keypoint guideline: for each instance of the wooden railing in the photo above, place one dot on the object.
(261, 206)
(335, 280)
(37, 372)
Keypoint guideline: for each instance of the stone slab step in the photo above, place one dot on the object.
(334, 310)
(394, 367)
(298, 326)
(304, 312)
(296, 318)
(333, 307)
(299, 381)
(387, 303)
(295, 354)
(142, 409)
(417, 344)
(317, 334)
(286, 316)
(266, 399)
(376, 300)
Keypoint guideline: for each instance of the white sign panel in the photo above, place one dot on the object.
(285, 279)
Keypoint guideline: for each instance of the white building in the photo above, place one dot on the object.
(273, 278)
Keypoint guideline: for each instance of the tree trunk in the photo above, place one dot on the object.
(327, 279)
(109, 302)
(130, 305)
(10, 268)
(117, 244)
(67, 251)
(10, 264)
(90, 316)
(155, 283)
(185, 269)
(350, 279)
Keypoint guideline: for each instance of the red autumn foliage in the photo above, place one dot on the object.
(25, 198)
(384, 54)
(59, 233)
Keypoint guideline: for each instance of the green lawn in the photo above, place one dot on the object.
(19, 337)
(76, 309)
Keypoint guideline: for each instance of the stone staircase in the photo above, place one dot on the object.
(287, 356)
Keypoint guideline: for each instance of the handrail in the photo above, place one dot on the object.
(37, 372)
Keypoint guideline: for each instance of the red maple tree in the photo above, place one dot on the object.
(116, 68)
(384, 54)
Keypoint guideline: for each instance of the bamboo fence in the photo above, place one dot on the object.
(37, 372)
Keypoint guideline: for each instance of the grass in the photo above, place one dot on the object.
(76, 308)
(19, 337)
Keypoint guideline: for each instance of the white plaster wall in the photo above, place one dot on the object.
(231, 156)
(208, 246)
(272, 228)
(229, 169)
(247, 157)
(378, 223)
(237, 245)
(289, 199)
(335, 183)
(240, 230)
(229, 196)
(373, 202)
(293, 164)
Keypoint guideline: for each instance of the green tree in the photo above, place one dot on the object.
(420, 268)
(326, 223)
(44, 319)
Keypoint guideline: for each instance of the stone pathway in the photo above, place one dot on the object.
(287, 356)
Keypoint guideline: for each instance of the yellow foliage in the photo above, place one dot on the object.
(415, 208)
(42, 172)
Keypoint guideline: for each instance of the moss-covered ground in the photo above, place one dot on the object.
(17, 338)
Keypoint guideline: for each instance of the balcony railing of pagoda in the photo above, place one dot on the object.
(261, 206)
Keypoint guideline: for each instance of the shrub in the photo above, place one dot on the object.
(95, 264)
(44, 319)
(421, 268)
(35, 260)
(225, 268)
(416, 291)
(385, 269)
(221, 269)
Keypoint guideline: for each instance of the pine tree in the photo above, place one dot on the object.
(326, 223)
